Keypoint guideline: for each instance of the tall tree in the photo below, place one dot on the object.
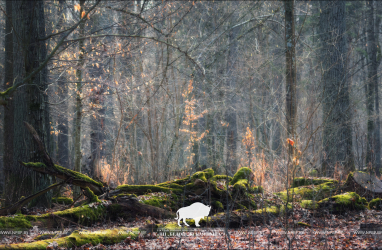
(375, 60)
(28, 52)
(337, 140)
(62, 119)
(8, 111)
(78, 121)
(290, 72)
(231, 112)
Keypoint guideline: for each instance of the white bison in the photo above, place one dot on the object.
(195, 211)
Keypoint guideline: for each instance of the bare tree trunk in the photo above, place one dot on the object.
(231, 100)
(29, 27)
(376, 89)
(62, 120)
(9, 109)
(337, 140)
(371, 80)
(77, 135)
(290, 56)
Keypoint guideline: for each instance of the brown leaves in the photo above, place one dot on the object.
(290, 142)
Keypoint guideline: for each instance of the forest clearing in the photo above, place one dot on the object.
(190, 124)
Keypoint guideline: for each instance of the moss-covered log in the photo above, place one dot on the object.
(312, 192)
(76, 178)
(80, 238)
(343, 202)
(302, 181)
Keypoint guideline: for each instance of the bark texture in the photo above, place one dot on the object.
(30, 100)
(337, 140)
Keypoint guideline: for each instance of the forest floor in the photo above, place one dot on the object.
(321, 231)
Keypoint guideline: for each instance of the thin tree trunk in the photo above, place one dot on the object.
(371, 79)
(77, 135)
(290, 56)
(376, 89)
(9, 109)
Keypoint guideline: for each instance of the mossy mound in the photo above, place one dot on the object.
(342, 202)
(84, 215)
(62, 200)
(221, 177)
(79, 238)
(309, 204)
(376, 204)
(301, 181)
(274, 210)
(16, 222)
(203, 175)
(312, 192)
(243, 173)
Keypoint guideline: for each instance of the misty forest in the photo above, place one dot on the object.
(119, 118)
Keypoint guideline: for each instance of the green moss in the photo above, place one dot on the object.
(218, 205)
(155, 201)
(126, 194)
(241, 185)
(256, 189)
(274, 210)
(313, 192)
(376, 204)
(309, 204)
(84, 215)
(301, 181)
(343, 202)
(91, 195)
(62, 200)
(221, 177)
(44, 237)
(72, 173)
(242, 173)
(171, 185)
(303, 224)
(203, 175)
(172, 226)
(79, 238)
(15, 222)
(144, 189)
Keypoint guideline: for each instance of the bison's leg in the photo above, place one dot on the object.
(179, 221)
(197, 221)
(185, 223)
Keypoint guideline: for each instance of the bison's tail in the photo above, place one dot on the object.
(177, 215)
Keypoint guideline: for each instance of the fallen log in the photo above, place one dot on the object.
(67, 175)
(17, 206)
(79, 238)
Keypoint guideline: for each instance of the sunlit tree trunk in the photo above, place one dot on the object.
(77, 135)
(28, 52)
